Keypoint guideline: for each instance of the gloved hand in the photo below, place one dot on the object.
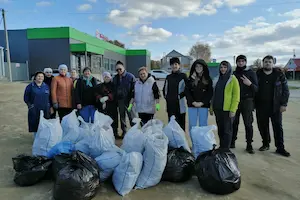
(104, 106)
(157, 106)
(129, 107)
(55, 106)
(104, 99)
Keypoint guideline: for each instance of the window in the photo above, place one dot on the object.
(106, 64)
(112, 65)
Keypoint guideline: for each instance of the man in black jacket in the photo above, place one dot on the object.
(174, 94)
(248, 87)
(271, 101)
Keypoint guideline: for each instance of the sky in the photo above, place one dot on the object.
(254, 28)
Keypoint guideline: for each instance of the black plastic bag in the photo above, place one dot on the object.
(79, 180)
(59, 162)
(217, 171)
(180, 165)
(30, 169)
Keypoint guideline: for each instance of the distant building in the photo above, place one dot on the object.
(185, 61)
(293, 68)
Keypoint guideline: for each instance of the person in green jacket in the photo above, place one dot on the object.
(225, 103)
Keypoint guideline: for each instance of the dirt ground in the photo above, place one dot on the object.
(265, 175)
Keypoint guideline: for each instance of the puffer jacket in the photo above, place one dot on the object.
(61, 91)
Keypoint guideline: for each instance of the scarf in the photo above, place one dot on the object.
(88, 81)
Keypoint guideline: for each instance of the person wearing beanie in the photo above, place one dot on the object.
(124, 82)
(271, 101)
(84, 95)
(225, 103)
(145, 96)
(106, 101)
(48, 79)
(248, 87)
(199, 91)
(174, 93)
(61, 92)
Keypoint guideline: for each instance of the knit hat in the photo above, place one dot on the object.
(48, 70)
(62, 66)
(241, 57)
(174, 60)
(106, 74)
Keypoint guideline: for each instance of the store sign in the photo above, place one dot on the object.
(101, 36)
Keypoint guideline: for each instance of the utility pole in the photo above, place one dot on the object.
(7, 45)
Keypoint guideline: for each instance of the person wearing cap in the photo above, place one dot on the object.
(48, 79)
(106, 101)
(248, 87)
(225, 103)
(270, 102)
(145, 96)
(37, 98)
(85, 96)
(174, 93)
(199, 91)
(61, 92)
(124, 82)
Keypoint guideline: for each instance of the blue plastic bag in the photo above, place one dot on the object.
(65, 147)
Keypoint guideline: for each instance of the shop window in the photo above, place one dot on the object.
(106, 64)
(112, 65)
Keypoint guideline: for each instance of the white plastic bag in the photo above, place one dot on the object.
(203, 139)
(102, 119)
(107, 163)
(154, 124)
(127, 172)
(176, 135)
(48, 135)
(68, 122)
(155, 160)
(134, 140)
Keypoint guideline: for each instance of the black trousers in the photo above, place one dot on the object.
(263, 116)
(224, 123)
(122, 105)
(112, 111)
(245, 108)
(63, 112)
(145, 117)
(180, 118)
(53, 115)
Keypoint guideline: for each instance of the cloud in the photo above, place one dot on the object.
(294, 13)
(92, 1)
(196, 36)
(135, 12)
(270, 9)
(84, 7)
(182, 37)
(146, 34)
(43, 3)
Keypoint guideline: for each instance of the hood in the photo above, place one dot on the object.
(229, 68)
(205, 67)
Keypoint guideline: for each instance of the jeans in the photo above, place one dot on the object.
(87, 113)
(197, 114)
(224, 123)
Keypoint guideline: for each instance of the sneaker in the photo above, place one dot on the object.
(249, 149)
(232, 146)
(283, 152)
(264, 148)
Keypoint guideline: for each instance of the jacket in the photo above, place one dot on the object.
(281, 90)
(174, 92)
(84, 94)
(48, 81)
(124, 86)
(106, 89)
(247, 92)
(37, 98)
(231, 95)
(200, 92)
(61, 91)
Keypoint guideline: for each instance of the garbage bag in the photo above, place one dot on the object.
(59, 162)
(153, 124)
(203, 139)
(176, 135)
(107, 163)
(62, 147)
(133, 135)
(127, 172)
(30, 170)
(78, 180)
(102, 119)
(70, 123)
(180, 165)
(155, 160)
(48, 135)
(83, 146)
(217, 171)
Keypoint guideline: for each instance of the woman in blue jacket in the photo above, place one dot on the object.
(37, 98)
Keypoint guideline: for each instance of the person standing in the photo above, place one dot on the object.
(271, 101)
(85, 95)
(37, 98)
(124, 83)
(106, 101)
(199, 91)
(48, 80)
(248, 87)
(225, 103)
(61, 92)
(174, 93)
(145, 96)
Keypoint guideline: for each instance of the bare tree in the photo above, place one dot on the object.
(200, 50)
(257, 63)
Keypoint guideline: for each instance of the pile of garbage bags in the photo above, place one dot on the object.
(79, 156)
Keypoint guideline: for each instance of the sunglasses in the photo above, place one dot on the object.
(119, 69)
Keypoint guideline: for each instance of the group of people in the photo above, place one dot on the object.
(228, 96)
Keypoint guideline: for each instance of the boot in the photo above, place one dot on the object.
(249, 149)
(232, 146)
(264, 148)
(283, 152)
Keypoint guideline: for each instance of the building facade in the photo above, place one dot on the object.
(293, 69)
(50, 47)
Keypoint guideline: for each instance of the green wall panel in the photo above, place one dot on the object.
(47, 33)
